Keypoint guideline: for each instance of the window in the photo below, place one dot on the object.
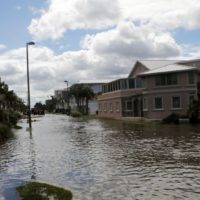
(191, 77)
(166, 79)
(138, 83)
(176, 102)
(159, 80)
(124, 83)
(117, 106)
(131, 83)
(129, 105)
(158, 103)
(145, 104)
(118, 85)
(171, 79)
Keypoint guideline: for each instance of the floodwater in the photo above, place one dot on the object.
(104, 160)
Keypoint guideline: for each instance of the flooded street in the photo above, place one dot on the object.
(104, 160)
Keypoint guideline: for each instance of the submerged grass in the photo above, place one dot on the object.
(42, 191)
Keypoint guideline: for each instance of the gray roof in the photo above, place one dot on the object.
(153, 64)
(169, 68)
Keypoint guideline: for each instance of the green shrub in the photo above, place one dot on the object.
(194, 112)
(76, 114)
(11, 117)
(4, 132)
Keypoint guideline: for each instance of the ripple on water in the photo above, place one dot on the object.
(104, 159)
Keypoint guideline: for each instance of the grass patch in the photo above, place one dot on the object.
(42, 191)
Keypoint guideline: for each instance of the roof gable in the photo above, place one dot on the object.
(138, 68)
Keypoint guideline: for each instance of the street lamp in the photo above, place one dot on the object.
(66, 83)
(28, 85)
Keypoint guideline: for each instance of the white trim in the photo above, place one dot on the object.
(169, 91)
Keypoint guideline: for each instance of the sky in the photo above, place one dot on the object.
(90, 40)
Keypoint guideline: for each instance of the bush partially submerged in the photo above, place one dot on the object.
(194, 112)
(4, 132)
(171, 119)
(76, 114)
(43, 191)
(9, 117)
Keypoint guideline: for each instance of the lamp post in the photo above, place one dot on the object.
(67, 95)
(66, 83)
(28, 84)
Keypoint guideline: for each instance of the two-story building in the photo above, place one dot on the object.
(153, 89)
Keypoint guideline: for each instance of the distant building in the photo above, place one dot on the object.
(93, 105)
(153, 89)
(65, 101)
(61, 97)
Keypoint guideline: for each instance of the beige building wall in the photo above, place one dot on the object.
(110, 104)
(182, 90)
(110, 108)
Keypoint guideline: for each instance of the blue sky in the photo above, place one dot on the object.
(91, 40)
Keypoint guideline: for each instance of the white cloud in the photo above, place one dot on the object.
(48, 70)
(106, 55)
(133, 30)
(130, 41)
(63, 15)
(2, 46)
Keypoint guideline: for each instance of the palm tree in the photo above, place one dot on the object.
(82, 94)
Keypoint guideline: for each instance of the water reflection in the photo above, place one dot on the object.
(105, 159)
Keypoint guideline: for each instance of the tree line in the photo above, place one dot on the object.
(81, 93)
(10, 105)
